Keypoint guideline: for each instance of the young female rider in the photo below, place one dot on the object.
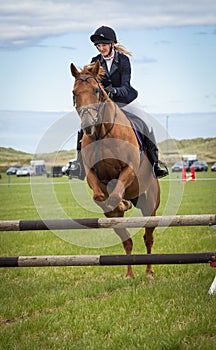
(114, 59)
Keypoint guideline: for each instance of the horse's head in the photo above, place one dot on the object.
(88, 94)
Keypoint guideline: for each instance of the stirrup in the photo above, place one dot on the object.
(164, 172)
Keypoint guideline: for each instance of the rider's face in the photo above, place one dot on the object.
(104, 49)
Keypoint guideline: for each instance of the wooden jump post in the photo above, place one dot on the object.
(107, 260)
(130, 222)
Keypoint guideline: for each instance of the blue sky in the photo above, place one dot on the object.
(173, 65)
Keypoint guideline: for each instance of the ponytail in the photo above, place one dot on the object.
(122, 49)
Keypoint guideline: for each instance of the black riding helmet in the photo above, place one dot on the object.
(103, 35)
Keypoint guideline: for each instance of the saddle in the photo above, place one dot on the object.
(138, 127)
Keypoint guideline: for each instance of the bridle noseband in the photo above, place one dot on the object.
(89, 109)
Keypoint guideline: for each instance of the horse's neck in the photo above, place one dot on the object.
(112, 114)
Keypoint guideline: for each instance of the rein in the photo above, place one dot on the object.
(96, 146)
(98, 137)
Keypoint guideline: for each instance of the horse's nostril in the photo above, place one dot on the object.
(89, 130)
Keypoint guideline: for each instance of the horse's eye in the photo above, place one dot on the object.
(96, 90)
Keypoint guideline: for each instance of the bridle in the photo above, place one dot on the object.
(100, 107)
(93, 108)
(85, 78)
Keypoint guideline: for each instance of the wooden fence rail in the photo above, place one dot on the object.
(129, 222)
(102, 260)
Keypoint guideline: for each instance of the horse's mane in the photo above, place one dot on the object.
(88, 70)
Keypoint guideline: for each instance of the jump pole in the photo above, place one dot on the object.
(129, 222)
(107, 260)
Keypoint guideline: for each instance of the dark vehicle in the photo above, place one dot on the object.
(12, 170)
(213, 167)
(200, 165)
(178, 166)
(56, 171)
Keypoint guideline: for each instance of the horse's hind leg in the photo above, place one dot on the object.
(148, 207)
(149, 240)
(123, 233)
(128, 246)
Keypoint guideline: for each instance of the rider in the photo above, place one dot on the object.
(114, 59)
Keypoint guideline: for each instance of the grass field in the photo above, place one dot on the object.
(97, 307)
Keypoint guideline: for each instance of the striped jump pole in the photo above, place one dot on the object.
(129, 222)
(107, 260)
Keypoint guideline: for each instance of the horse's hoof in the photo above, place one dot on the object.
(150, 275)
(130, 273)
(125, 205)
(99, 198)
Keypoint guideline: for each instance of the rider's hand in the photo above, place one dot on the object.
(110, 90)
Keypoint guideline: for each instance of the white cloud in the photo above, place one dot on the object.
(24, 23)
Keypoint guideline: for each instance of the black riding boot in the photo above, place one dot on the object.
(76, 168)
(148, 144)
(152, 153)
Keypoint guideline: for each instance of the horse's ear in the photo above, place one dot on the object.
(96, 68)
(74, 71)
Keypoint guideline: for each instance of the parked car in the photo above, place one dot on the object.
(25, 171)
(200, 165)
(65, 168)
(213, 167)
(12, 170)
(178, 166)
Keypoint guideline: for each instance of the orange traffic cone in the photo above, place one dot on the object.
(193, 174)
(184, 179)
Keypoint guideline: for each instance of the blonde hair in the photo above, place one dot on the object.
(122, 49)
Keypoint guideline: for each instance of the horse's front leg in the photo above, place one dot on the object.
(125, 179)
(94, 184)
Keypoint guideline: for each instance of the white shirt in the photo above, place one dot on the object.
(109, 61)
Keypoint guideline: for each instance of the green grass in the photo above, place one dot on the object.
(97, 307)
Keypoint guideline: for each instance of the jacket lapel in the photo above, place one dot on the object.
(114, 66)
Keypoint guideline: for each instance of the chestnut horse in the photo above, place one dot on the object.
(115, 170)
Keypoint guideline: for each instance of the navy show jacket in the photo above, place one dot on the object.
(119, 77)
